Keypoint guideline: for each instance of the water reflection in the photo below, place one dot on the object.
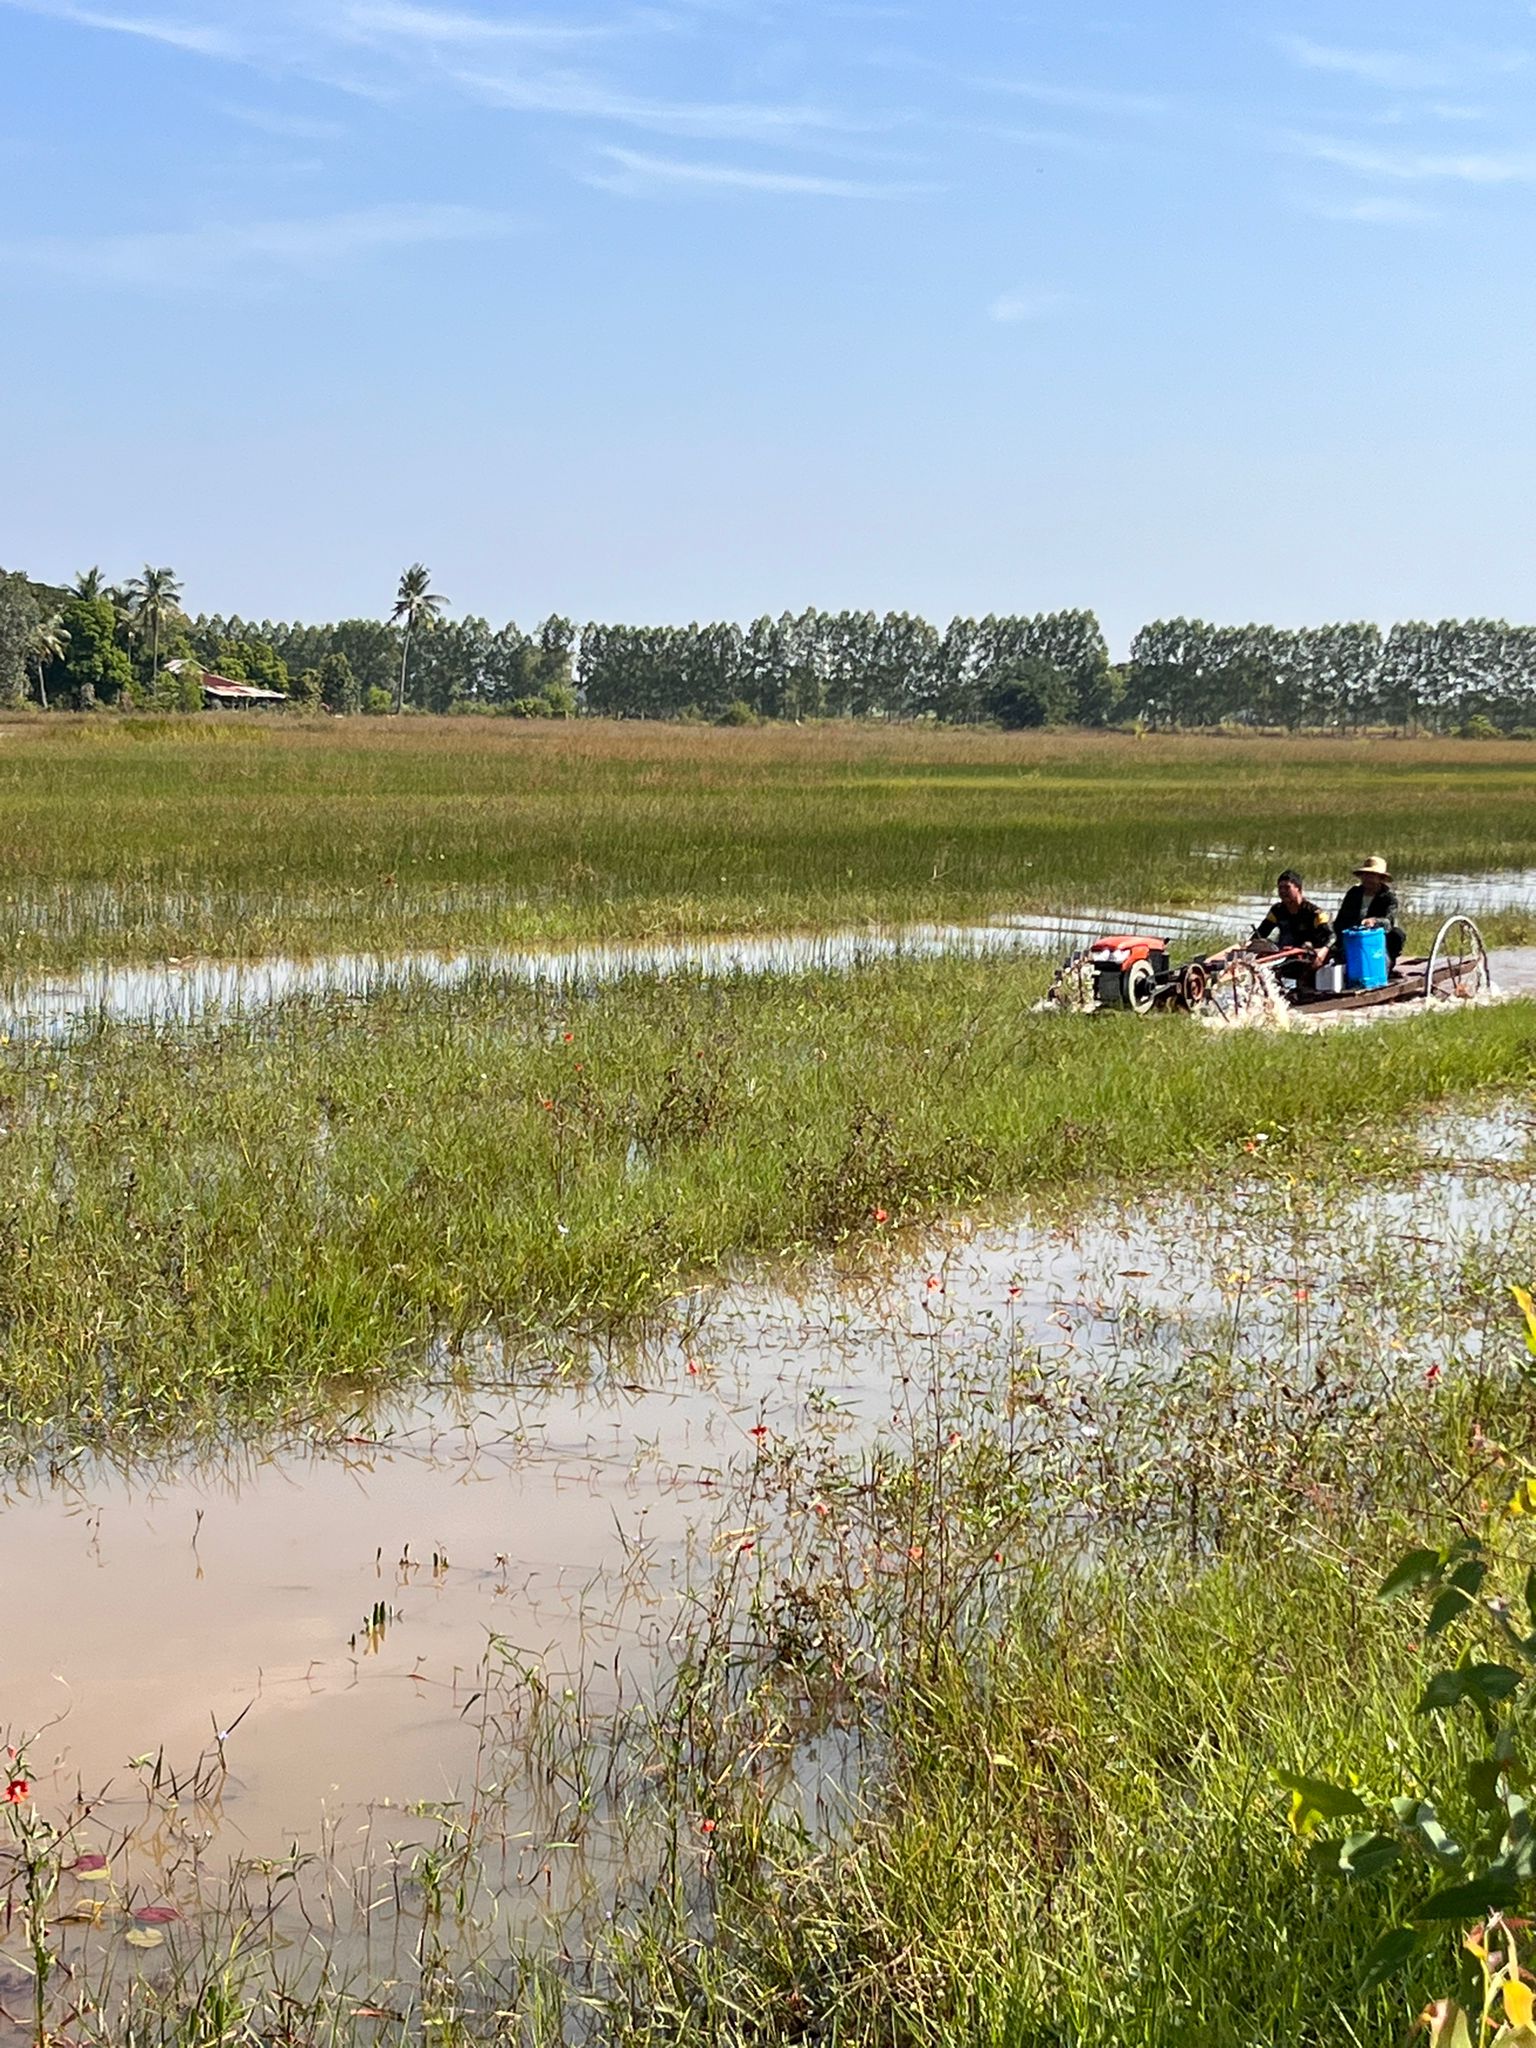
(189, 992)
(205, 990)
(328, 1600)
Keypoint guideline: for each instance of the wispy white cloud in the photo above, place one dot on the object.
(376, 48)
(1378, 211)
(1045, 92)
(1402, 70)
(444, 27)
(1019, 308)
(201, 39)
(1415, 166)
(307, 35)
(632, 171)
(1392, 68)
(576, 96)
(1082, 99)
(249, 251)
(287, 127)
(1072, 142)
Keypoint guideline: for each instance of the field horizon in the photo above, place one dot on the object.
(145, 839)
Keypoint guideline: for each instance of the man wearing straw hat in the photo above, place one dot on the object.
(1372, 900)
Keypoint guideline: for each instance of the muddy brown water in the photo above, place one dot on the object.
(151, 1612)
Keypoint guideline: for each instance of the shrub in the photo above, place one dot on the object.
(1029, 693)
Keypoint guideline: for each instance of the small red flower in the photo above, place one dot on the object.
(934, 1284)
(546, 1103)
(1303, 1294)
(569, 1037)
(915, 1554)
(997, 1557)
(708, 1827)
(760, 1432)
(881, 1215)
(747, 1548)
(821, 1508)
(1015, 1291)
(693, 1365)
(17, 1790)
(1433, 1375)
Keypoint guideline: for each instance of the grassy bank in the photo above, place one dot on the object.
(1088, 1672)
(1043, 1652)
(145, 839)
(251, 1219)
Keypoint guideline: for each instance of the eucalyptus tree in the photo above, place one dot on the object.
(155, 600)
(416, 604)
(18, 624)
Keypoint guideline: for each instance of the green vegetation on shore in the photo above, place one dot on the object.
(258, 1217)
(95, 644)
(149, 841)
(1046, 1640)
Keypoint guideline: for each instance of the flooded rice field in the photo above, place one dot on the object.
(190, 992)
(267, 1684)
(183, 993)
(291, 1639)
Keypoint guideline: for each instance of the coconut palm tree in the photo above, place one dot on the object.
(88, 584)
(416, 604)
(155, 600)
(49, 643)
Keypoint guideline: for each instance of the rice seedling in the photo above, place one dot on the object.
(978, 1734)
(964, 1717)
(124, 839)
(298, 1208)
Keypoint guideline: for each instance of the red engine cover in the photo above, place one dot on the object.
(1132, 947)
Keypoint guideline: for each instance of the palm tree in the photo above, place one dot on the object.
(88, 584)
(50, 643)
(417, 604)
(155, 598)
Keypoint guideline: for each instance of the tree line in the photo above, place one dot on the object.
(135, 645)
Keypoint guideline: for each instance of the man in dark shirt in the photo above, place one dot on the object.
(1293, 921)
(1373, 900)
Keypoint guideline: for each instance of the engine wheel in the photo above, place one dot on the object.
(1194, 985)
(1458, 963)
(1236, 991)
(1138, 988)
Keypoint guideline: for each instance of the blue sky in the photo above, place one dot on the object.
(660, 309)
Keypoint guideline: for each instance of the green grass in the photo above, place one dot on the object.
(147, 839)
(259, 1217)
(1079, 1841)
(1065, 1831)
(1069, 1830)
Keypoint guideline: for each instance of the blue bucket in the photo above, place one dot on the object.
(1365, 958)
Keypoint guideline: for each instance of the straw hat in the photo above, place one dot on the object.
(1374, 866)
